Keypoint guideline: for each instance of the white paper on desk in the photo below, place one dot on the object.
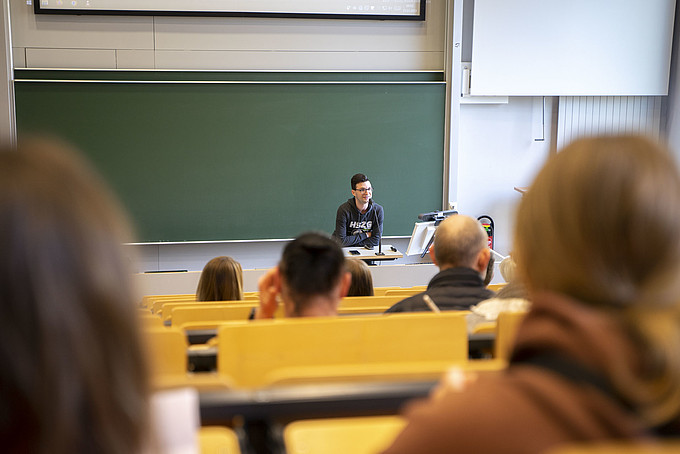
(175, 420)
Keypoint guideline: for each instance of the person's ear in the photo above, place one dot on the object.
(287, 301)
(432, 256)
(277, 282)
(345, 282)
(483, 259)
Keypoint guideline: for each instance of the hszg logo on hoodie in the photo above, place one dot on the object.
(360, 226)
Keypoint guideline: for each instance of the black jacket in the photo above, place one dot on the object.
(451, 289)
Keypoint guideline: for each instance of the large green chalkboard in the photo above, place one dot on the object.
(224, 156)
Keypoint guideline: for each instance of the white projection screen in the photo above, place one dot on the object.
(327, 9)
(571, 48)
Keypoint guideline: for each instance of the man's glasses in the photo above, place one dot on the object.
(364, 190)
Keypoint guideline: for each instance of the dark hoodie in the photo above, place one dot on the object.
(351, 225)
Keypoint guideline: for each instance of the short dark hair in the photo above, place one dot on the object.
(312, 264)
(356, 179)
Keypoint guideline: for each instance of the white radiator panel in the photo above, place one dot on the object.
(582, 116)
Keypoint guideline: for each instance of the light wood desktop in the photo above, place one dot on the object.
(386, 252)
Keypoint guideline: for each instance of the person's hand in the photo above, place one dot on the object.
(270, 287)
(368, 234)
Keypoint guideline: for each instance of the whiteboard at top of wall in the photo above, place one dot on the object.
(575, 47)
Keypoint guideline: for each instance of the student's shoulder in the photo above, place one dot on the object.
(450, 419)
(413, 303)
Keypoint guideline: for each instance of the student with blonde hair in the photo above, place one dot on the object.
(362, 279)
(73, 376)
(597, 243)
(221, 280)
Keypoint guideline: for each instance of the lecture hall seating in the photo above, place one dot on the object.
(252, 353)
(358, 435)
(218, 440)
(506, 329)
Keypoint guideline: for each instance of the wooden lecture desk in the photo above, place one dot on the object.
(383, 252)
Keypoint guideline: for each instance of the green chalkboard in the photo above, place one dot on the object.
(224, 156)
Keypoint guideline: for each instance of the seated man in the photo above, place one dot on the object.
(462, 253)
(359, 221)
(310, 279)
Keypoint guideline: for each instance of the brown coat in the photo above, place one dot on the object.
(528, 409)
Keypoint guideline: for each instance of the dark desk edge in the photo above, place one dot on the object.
(305, 401)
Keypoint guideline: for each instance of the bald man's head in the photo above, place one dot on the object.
(459, 242)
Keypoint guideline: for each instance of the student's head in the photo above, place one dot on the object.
(73, 376)
(600, 223)
(221, 280)
(362, 279)
(461, 241)
(312, 270)
(507, 267)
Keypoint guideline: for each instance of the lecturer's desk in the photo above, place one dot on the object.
(359, 252)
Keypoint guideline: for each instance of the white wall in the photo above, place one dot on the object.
(125, 42)
(497, 152)
(186, 283)
(250, 254)
(494, 144)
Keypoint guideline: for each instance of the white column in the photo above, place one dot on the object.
(7, 114)
(454, 43)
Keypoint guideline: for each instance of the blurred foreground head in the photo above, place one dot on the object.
(73, 377)
(601, 224)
